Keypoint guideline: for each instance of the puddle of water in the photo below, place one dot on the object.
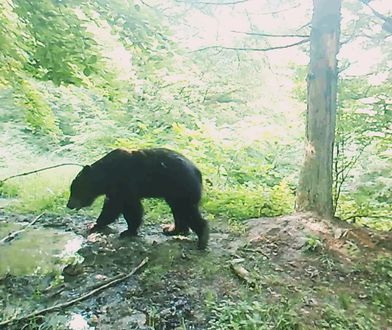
(4, 202)
(36, 250)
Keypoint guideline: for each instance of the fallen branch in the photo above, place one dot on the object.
(12, 235)
(242, 273)
(39, 170)
(115, 280)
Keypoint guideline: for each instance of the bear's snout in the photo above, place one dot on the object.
(73, 205)
(70, 206)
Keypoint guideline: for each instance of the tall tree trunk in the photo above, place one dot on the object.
(315, 185)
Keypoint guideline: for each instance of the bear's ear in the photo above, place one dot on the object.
(86, 168)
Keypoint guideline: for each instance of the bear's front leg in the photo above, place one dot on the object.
(110, 212)
(133, 214)
(173, 230)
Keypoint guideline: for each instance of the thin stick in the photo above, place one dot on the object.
(213, 3)
(116, 279)
(368, 216)
(272, 35)
(252, 49)
(39, 170)
(12, 235)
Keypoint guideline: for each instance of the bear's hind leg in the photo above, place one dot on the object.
(187, 215)
(180, 226)
(199, 226)
(133, 214)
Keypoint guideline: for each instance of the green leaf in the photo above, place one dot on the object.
(87, 71)
(93, 59)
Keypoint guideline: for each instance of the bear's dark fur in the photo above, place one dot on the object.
(127, 177)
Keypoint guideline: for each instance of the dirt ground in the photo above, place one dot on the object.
(290, 272)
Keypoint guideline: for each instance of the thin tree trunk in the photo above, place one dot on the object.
(315, 185)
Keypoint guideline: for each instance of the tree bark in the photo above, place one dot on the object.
(315, 184)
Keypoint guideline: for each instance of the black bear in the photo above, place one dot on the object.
(127, 177)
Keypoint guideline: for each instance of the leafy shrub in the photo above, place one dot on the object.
(243, 203)
(38, 114)
(312, 243)
(254, 315)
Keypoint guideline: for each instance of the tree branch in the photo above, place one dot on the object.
(367, 216)
(253, 49)
(387, 26)
(375, 12)
(273, 35)
(351, 37)
(304, 26)
(39, 170)
(146, 4)
(336, 183)
(344, 172)
(279, 11)
(213, 3)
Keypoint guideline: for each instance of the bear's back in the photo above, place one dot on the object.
(155, 172)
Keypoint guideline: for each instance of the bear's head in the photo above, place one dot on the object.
(83, 189)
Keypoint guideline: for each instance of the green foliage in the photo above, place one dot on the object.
(156, 210)
(362, 165)
(383, 267)
(245, 203)
(334, 318)
(12, 39)
(312, 244)
(363, 115)
(241, 314)
(38, 114)
(46, 191)
(58, 45)
(139, 30)
(379, 285)
(299, 80)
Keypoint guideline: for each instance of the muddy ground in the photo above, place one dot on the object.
(291, 272)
